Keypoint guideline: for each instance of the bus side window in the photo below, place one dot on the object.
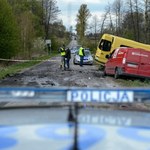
(125, 46)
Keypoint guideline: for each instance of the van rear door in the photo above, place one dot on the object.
(132, 61)
(144, 67)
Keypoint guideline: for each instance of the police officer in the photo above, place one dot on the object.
(68, 57)
(81, 54)
(63, 54)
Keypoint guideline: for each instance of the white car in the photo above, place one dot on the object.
(88, 59)
(73, 50)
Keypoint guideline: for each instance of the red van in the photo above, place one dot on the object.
(128, 61)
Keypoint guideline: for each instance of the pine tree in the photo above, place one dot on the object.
(82, 20)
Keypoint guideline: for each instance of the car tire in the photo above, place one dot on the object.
(74, 62)
(116, 75)
(104, 73)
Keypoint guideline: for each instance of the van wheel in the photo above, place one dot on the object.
(116, 76)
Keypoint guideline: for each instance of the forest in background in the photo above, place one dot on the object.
(26, 24)
(126, 18)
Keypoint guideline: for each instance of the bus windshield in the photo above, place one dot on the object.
(105, 45)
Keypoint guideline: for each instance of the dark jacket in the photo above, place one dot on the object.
(68, 53)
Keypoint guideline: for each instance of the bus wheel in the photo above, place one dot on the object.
(116, 76)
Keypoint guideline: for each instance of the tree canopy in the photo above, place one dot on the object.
(24, 22)
(82, 20)
(9, 33)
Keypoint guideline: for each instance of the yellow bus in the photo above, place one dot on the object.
(109, 42)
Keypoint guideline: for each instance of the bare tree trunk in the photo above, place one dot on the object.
(137, 21)
(103, 21)
(147, 21)
(132, 17)
(118, 9)
(95, 27)
(51, 12)
(111, 23)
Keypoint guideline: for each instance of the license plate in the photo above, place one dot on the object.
(105, 96)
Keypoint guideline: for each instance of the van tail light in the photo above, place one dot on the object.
(123, 60)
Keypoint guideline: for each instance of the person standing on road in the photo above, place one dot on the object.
(68, 57)
(63, 54)
(81, 54)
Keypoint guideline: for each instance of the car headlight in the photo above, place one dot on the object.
(90, 58)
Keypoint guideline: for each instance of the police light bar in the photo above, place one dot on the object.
(108, 95)
(75, 95)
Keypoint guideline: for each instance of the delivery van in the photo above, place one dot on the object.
(128, 61)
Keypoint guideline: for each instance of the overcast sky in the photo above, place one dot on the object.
(69, 9)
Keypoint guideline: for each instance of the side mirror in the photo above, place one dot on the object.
(108, 56)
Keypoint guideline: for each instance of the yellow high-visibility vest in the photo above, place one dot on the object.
(80, 51)
(63, 53)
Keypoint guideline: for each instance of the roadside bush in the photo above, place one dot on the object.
(132, 82)
(86, 42)
(38, 47)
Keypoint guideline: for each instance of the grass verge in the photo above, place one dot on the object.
(15, 68)
(134, 82)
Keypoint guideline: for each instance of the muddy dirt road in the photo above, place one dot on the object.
(48, 74)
